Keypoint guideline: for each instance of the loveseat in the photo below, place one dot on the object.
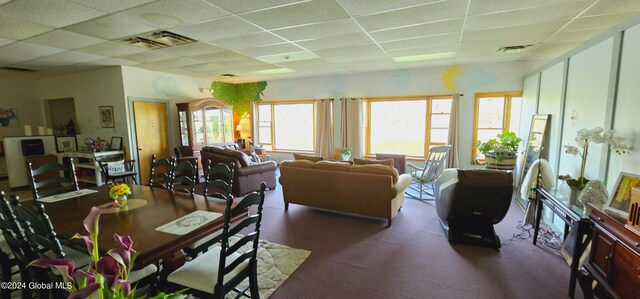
(368, 190)
(247, 175)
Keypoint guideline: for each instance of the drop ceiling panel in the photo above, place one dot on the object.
(5, 41)
(493, 6)
(348, 50)
(248, 41)
(336, 41)
(68, 57)
(111, 49)
(613, 7)
(246, 63)
(227, 56)
(319, 30)
(54, 13)
(551, 50)
(448, 26)
(271, 50)
(442, 39)
(303, 55)
(64, 39)
(18, 29)
(110, 27)
(205, 67)
(541, 30)
(560, 12)
(365, 7)
(178, 62)
(573, 36)
(29, 50)
(10, 58)
(596, 22)
(297, 14)
(193, 49)
(113, 61)
(346, 59)
(111, 6)
(149, 56)
(438, 11)
(423, 50)
(217, 29)
(171, 13)
(240, 6)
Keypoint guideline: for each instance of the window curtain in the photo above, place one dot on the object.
(351, 125)
(454, 133)
(324, 128)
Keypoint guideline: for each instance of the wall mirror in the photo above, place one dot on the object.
(534, 147)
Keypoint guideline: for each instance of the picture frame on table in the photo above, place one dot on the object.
(116, 143)
(66, 144)
(107, 119)
(620, 198)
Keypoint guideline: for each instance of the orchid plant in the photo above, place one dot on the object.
(106, 276)
(583, 139)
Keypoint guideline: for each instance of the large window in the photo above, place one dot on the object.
(406, 125)
(494, 113)
(286, 126)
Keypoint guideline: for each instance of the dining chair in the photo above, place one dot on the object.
(7, 264)
(217, 184)
(184, 176)
(119, 170)
(46, 180)
(161, 172)
(423, 178)
(220, 270)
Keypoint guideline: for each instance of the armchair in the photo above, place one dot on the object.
(470, 202)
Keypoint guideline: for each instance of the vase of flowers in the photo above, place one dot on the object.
(6, 115)
(345, 152)
(583, 139)
(119, 193)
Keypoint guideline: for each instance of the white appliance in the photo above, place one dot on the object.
(16, 163)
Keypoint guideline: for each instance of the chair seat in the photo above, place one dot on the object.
(137, 275)
(417, 175)
(205, 240)
(201, 273)
(4, 246)
(122, 174)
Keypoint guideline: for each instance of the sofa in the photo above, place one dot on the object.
(247, 175)
(370, 190)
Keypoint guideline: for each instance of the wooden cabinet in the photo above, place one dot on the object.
(202, 123)
(87, 167)
(614, 260)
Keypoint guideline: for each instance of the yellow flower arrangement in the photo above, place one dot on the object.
(119, 191)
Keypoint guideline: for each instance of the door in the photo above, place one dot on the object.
(151, 134)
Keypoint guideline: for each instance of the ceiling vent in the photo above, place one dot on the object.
(227, 75)
(514, 49)
(17, 69)
(158, 40)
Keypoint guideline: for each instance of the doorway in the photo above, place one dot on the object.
(151, 133)
(60, 113)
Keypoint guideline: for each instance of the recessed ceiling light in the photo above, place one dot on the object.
(283, 70)
(424, 57)
(514, 49)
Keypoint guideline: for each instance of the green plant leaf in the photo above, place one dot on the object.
(239, 95)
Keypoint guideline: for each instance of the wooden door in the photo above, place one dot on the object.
(151, 134)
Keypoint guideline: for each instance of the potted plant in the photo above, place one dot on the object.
(500, 152)
(346, 153)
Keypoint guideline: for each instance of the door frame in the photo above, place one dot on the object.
(133, 140)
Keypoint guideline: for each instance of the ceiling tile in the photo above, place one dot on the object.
(245, 63)
(217, 29)
(5, 41)
(303, 64)
(271, 50)
(442, 39)
(248, 41)
(448, 26)
(111, 49)
(560, 12)
(596, 22)
(551, 50)
(205, 67)
(54, 13)
(192, 49)
(111, 6)
(29, 50)
(345, 59)
(319, 30)
(423, 50)
(65, 39)
(10, 58)
(177, 62)
(493, 6)
(571, 36)
(113, 61)
(227, 56)
(539, 31)
(438, 11)
(613, 7)
(149, 56)
(303, 55)
(297, 14)
(365, 7)
(19, 29)
(68, 57)
(336, 41)
(240, 6)
(110, 27)
(348, 50)
(171, 13)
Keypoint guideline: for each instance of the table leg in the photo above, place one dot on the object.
(536, 227)
(576, 254)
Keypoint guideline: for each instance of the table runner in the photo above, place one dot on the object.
(188, 223)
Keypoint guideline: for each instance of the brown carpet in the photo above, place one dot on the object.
(358, 257)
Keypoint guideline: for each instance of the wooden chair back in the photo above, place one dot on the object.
(161, 172)
(185, 176)
(46, 180)
(218, 180)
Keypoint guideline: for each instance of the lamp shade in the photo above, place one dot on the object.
(239, 127)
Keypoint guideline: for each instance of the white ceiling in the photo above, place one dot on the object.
(296, 38)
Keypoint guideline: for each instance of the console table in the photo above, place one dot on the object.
(614, 260)
(572, 215)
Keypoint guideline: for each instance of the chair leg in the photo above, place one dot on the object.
(253, 281)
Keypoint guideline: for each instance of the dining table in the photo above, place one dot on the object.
(160, 207)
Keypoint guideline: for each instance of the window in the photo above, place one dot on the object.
(286, 126)
(406, 125)
(494, 113)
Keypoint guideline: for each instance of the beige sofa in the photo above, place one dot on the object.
(369, 190)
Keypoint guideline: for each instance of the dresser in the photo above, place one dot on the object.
(614, 260)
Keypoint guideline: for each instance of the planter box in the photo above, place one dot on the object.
(508, 163)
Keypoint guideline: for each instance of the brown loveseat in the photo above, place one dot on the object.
(247, 176)
(369, 190)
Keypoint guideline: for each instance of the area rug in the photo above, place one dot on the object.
(276, 263)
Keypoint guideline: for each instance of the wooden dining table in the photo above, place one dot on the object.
(163, 206)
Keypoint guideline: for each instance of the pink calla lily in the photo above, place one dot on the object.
(124, 284)
(91, 222)
(87, 240)
(125, 242)
(90, 276)
(85, 292)
(65, 266)
(108, 266)
(122, 256)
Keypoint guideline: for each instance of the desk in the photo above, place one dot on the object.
(163, 206)
(558, 203)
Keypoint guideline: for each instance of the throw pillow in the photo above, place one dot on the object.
(332, 165)
(376, 169)
(306, 157)
(387, 162)
(297, 163)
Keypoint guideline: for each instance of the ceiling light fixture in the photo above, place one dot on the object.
(514, 49)
(158, 40)
(424, 57)
(283, 70)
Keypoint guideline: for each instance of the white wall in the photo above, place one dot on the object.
(505, 76)
(551, 82)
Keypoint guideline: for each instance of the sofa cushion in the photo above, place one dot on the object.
(306, 157)
(332, 165)
(240, 156)
(376, 169)
(387, 162)
(297, 163)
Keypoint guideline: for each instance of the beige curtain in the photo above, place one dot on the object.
(351, 125)
(324, 128)
(454, 133)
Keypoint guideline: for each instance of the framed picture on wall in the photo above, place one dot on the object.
(116, 143)
(106, 117)
(620, 198)
(66, 144)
